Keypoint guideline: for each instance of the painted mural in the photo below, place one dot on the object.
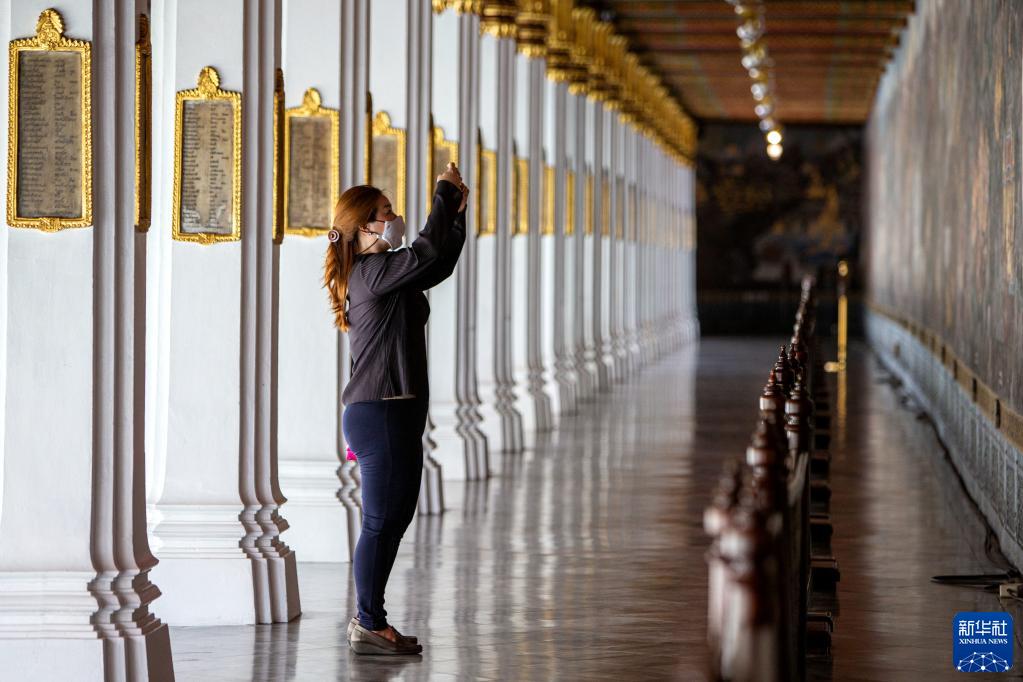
(762, 224)
(943, 212)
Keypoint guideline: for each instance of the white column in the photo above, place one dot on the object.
(354, 87)
(421, 184)
(461, 447)
(606, 235)
(502, 422)
(629, 290)
(689, 277)
(506, 388)
(532, 402)
(75, 593)
(557, 282)
(491, 422)
(595, 346)
(612, 269)
(646, 231)
(468, 279)
(214, 375)
(309, 412)
(580, 157)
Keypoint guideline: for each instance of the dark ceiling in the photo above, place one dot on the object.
(828, 55)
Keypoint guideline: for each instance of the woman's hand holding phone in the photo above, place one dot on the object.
(452, 175)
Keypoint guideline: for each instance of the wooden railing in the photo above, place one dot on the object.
(771, 574)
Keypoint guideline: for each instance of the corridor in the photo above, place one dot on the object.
(584, 558)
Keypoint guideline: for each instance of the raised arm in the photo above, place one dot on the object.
(441, 269)
(385, 272)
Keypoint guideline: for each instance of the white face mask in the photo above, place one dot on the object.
(394, 233)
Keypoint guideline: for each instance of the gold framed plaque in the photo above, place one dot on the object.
(442, 152)
(605, 207)
(312, 182)
(387, 165)
(279, 177)
(588, 205)
(547, 228)
(207, 162)
(569, 203)
(520, 197)
(143, 127)
(49, 135)
(486, 196)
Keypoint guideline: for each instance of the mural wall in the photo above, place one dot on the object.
(761, 223)
(944, 245)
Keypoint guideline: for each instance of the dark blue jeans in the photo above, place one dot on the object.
(387, 438)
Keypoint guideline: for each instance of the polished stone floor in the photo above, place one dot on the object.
(584, 559)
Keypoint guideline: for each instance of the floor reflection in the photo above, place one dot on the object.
(584, 558)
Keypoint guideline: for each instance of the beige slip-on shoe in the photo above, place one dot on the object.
(408, 638)
(365, 641)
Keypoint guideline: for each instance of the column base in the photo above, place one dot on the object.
(207, 591)
(318, 521)
(280, 575)
(452, 452)
(44, 660)
(431, 490)
(525, 405)
(47, 633)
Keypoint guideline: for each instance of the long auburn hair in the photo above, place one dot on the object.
(354, 209)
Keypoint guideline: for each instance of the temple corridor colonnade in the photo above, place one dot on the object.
(170, 443)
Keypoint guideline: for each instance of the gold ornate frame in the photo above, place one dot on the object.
(382, 128)
(49, 37)
(547, 226)
(208, 88)
(488, 180)
(312, 108)
(520, 197)
(143, 127)
(280, 178)
(439, 141)
(569, 203)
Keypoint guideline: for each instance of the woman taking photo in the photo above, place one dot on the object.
(376, 293)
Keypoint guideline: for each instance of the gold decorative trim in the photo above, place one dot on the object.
(311, 107)
(143, 127)
(991, 405)
(367, 141)
(520, 197)
(488, 183)
(547, 227)
(382, 128)
(49, 37)
(208, 88)
(438, 142)
(441, 142)
(280, 176)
